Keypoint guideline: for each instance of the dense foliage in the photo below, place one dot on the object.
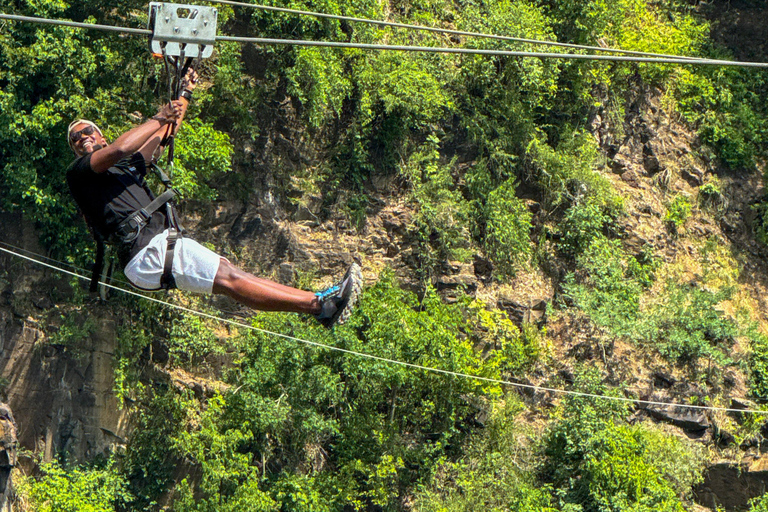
(497, 161)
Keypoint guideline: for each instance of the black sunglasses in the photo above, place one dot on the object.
(75, 136)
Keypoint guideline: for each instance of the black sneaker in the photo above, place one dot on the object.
(338, 300)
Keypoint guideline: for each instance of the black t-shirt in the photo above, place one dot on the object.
(108, 198)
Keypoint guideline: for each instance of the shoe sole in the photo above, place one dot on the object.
(357, 286)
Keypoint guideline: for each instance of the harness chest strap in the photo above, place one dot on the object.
(131, 226)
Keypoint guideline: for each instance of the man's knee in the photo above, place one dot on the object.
(226, 276)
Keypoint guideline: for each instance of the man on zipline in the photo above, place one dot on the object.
(108, 184)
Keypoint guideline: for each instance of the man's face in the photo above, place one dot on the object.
(86, 139)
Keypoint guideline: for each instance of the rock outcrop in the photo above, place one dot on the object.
(730, 486)
(62, 396)
(9, 446)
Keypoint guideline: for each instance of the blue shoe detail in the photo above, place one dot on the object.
(333, 289)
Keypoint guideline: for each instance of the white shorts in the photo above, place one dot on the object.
(194, 266)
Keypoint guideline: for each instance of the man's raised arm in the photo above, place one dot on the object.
(135, 138)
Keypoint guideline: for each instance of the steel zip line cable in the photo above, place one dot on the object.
(448, 31)
(507, 53)
(429, 49)
(388, 360)
(67, 23)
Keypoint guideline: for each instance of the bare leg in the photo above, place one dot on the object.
(262, 294)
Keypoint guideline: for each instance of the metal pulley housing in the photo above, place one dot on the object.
(182, 30)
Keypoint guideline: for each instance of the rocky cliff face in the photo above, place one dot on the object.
(62, 396)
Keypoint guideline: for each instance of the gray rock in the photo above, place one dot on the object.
(621, 162)
(651, 160)
(731, 486)
(687, 419)
(631, 178)
(694, 177)
(534, 312)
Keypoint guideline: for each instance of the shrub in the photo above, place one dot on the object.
(635, 468)
(725, 106)
(508, 227)
(201, 152)
(311, 429)
(678, 211)
(514, 351)
(582, 223)
(604, 286)
(317, 79)
(759, 504)
(687, 326)
(442, 218)
(191, 339)
(567, 174)
(761, 221)
(566, 442)
(711, 189)
(495, 471)
(758, 366)
(77, 489)
(597, 462)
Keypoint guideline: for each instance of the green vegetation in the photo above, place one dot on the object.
(508, 226)
(683, 324)
(606, 286)
(496, 470)
(596, 462)
(274, 435)
(493, 159)
(442, 214)
(688, 326)
(759, 504)
(77, 489)
(678, 211)
(758, 365)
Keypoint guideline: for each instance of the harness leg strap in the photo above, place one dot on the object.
(99, 265)
(167, 281)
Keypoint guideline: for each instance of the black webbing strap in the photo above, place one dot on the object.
(181, 65)
(99, 264)
(106, 277)
(162, 176)
(138, 219)
(167, 281)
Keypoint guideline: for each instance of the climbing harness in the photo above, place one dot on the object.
(130, 228)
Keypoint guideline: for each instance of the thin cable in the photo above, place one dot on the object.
(66, 23)
(391, 361)
(362, 46)
(448, 31)
(54, 260)
(477, 51)
(112, 279)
